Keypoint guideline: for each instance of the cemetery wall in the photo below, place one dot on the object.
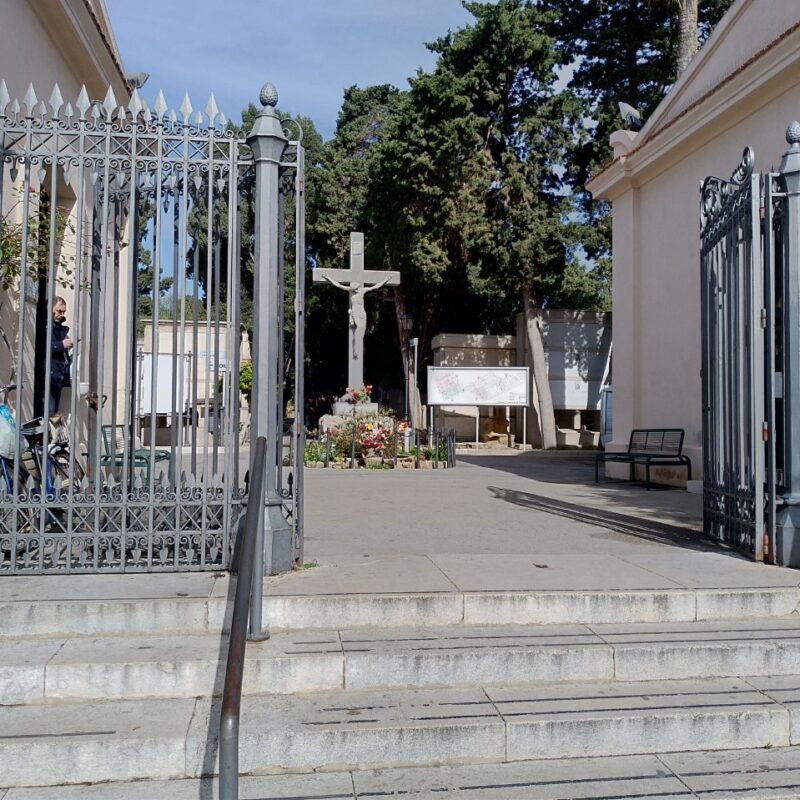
(577, 350)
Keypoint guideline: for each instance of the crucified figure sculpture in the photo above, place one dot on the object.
(357, 282)
(357, 311)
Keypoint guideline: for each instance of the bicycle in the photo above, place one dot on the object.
(57, 473)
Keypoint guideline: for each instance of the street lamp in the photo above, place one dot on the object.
(407, 325)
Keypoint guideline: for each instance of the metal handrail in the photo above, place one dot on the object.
(234, 670)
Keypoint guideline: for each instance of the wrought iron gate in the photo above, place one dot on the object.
(750, 265)
(733, 353)
(141, 222)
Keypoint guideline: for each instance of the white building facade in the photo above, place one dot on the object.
(742, 88)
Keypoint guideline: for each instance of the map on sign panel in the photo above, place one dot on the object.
(478, 386)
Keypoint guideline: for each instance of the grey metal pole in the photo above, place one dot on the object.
(300, 355)
(414, 344)
(788, 516)
(268, 142)
(408, 367)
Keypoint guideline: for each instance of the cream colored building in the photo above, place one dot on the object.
(65, 41)
(742, 88)
(43, 43)
(182, 379)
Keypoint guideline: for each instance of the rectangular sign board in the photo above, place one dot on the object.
(478, 386)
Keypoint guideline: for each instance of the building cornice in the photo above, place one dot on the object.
(78, 32)
(762, 77)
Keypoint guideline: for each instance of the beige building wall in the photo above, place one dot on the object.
(743, 88)
(472, 350)
(68, 42)
(65, 41)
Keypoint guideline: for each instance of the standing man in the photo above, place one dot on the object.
(60, 358)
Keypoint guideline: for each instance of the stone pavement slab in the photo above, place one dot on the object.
(30, 588)
(711, 570)
(326, 786)
(519, 572)
(761, 774)
(362, 729)
(768, 773)
(188, 666)
(637, 717)
(22, 669)
(92, 742)
(366, 574)
(590, 778)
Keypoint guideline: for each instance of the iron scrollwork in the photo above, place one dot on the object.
(718, 194)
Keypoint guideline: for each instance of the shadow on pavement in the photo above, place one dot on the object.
(619, 523)
(556, 466)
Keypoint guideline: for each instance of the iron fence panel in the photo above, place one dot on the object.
(130, 217)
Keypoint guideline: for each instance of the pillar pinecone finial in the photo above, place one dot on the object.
(268, 96)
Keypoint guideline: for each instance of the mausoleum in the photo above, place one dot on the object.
(742, 89)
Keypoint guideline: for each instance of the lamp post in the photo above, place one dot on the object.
(407, 325)
(412, 344)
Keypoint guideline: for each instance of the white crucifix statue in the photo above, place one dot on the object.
(357, 281)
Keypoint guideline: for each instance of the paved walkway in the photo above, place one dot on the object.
(508, 522)
(496, 523)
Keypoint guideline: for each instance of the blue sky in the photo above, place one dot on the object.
(310, 49)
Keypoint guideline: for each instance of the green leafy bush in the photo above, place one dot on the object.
(246, 379)
(315, 451)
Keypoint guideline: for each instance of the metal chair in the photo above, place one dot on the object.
(115, 455)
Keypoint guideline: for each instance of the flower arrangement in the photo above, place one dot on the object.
(369, 436)
(359, 396)
(374, 439)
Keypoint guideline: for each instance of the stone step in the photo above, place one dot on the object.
(66, 743)
(722, 775)
(126, 668)
(122, 610)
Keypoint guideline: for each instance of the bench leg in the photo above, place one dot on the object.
(597, 470)
(647, 475)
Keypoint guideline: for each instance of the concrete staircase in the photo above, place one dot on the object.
(674, 693)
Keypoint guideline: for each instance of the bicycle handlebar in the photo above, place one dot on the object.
(5, 390)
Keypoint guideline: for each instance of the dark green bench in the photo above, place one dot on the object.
(651, 447)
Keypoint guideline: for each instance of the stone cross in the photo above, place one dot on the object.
(357, 281)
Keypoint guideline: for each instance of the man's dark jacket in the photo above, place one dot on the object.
(60, 359)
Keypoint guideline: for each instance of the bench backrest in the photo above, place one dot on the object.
(114, 440)
(656, 440)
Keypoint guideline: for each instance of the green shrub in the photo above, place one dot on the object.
(246, 379)
(315, 451)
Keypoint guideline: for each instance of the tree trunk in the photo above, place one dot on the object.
(687, 40)
(547, 418)
(400, 312)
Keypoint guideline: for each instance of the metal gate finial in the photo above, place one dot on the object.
(268, 95)
(793, 135)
